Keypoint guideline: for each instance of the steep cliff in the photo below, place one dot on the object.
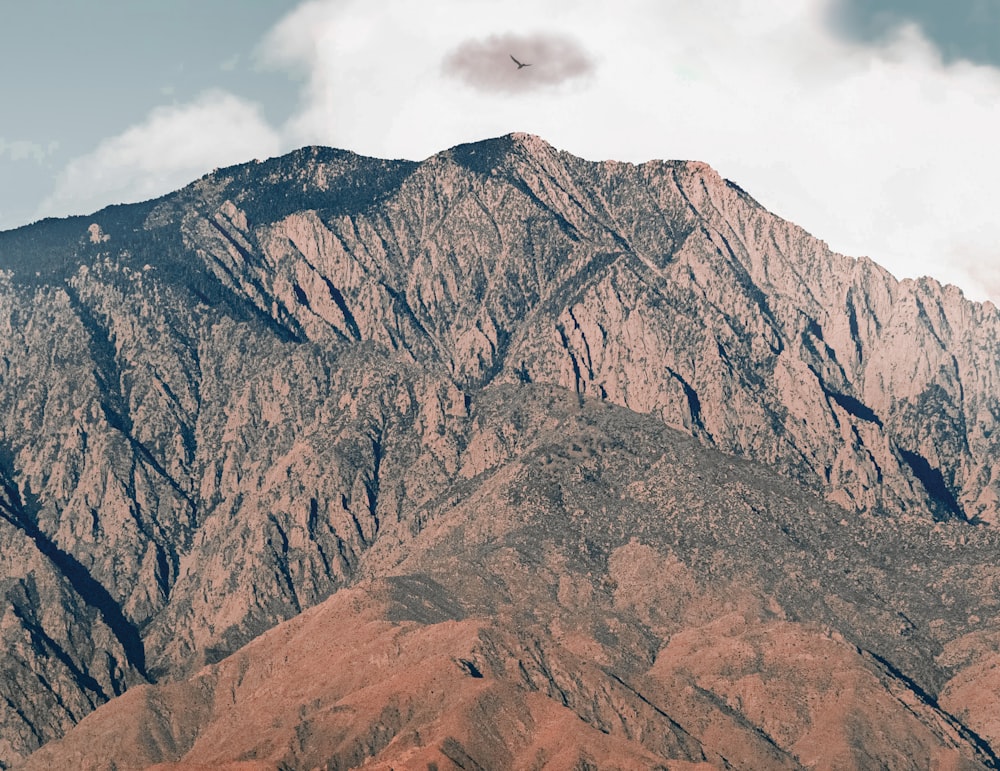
(214, 405)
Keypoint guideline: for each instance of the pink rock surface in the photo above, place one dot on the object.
(219, 408)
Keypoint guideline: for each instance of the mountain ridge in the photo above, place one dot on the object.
(215, 404)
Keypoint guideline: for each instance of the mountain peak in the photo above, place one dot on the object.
(489, 155)
(532, 143)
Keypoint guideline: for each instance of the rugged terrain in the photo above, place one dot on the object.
(325, 372)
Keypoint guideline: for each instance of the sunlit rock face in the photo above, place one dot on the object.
(219, 408)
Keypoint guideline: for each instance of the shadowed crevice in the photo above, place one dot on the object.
(341, 303)
(694, 403)
(986, 754)
(43, 642)
(855, 407)
(933, 481)
(852, 322)
(90, 590)
(285, 333)
(470, 669)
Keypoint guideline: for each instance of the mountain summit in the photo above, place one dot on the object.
(542, 413)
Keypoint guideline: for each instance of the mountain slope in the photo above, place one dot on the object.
(214, 405)
(614, 596)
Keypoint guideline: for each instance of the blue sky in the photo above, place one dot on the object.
(872, 123)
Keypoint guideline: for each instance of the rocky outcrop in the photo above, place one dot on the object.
(214, 406)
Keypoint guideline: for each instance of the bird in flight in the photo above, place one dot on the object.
(520, 65)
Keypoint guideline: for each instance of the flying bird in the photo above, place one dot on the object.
(520, 65)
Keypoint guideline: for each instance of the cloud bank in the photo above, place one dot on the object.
(486, 64)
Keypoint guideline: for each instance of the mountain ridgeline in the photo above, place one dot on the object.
(324, 374)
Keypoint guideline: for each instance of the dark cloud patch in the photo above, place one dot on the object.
(961, 29)
(486, 64)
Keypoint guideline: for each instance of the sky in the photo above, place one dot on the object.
(871, 123)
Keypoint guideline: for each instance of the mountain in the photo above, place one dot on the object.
(643, 473)
(598, 591)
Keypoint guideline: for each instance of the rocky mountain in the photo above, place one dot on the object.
(639, 472)
(605, 592)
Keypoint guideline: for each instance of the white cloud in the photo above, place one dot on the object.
(173, 146)
(22, 149)
(375, 77)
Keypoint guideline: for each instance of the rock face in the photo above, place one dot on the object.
(221, 407)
